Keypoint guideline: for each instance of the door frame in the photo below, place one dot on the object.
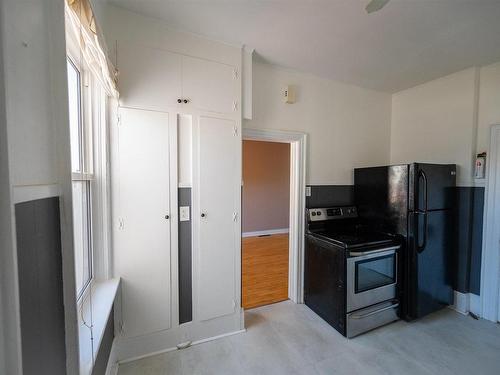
(298, 145)
(490, 260)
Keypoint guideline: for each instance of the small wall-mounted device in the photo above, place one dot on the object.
(289, 94)
(480, 165)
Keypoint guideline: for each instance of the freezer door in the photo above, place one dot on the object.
(432, 186)
(381, 194)
(429, 277)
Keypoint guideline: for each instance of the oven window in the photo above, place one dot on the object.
(375, 272)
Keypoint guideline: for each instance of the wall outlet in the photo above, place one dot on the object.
(308, 191)
(184, 213)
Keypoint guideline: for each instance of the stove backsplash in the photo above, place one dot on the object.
(330, 195)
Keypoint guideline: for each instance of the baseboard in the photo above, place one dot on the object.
(460, 302)
(218, 337)
(475, 304)
(464, 303)
(265, 232)
(134, 348)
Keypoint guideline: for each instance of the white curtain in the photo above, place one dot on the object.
(81, 24)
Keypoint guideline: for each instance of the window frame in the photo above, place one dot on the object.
(86, 168)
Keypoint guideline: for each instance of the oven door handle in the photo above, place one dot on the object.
(393, 306)
(370, 252)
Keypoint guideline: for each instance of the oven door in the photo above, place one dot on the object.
(371, 277)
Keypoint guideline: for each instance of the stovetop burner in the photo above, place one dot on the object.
(342, 227)
(355, 240)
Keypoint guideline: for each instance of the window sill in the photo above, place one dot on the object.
(103, 295)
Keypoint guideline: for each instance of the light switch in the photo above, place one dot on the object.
(184, 213)
(308, 191)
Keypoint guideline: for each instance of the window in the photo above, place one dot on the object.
(81, 168)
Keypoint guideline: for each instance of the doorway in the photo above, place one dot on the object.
(274, 253)
(265, 222)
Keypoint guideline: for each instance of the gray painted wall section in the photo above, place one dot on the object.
(470, 207)
(330, 195)
(41, 287)
(185, 261)
(476, 240)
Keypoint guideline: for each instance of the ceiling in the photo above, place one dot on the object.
(406, 43)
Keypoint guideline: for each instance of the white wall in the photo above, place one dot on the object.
(435, 122)
(130, 27)
(489, 104)
(347, 126)
(37, 140)
(447, 120)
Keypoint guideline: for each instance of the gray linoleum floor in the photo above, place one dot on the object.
(285, 338)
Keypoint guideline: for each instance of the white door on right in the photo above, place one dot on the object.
(218, 220)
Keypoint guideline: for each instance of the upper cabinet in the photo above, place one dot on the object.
(210, 86)
(157, 79)
(148, 78)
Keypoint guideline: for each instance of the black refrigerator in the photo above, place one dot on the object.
(415, 201)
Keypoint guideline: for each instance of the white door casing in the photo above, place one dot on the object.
(490, 262)
(142, 239)
(298, 145)
(217, 217)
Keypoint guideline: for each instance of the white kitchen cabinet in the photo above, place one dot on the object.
(157, 79)
(149, 78)
(210, 86)
(142, 239)
(158, 145)
(217, 191)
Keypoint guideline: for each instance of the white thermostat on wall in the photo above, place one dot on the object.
(289, 94)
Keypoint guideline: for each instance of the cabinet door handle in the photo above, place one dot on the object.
(167, 217)
(186, 101)
(203, 214)
(179, 101)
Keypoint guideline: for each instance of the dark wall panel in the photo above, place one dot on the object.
(185, 262)
(463, 241)
(41, 287)
(330, 195)
(476, 240)
(469, 241)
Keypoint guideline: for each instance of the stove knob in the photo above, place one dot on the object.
(319, 213)
(313, 213)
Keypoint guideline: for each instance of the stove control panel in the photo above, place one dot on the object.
(332, 213)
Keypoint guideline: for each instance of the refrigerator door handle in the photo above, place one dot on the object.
(423, 212)
(421, 248)
(421, 174)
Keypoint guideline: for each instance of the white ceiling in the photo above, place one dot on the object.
(406, 43)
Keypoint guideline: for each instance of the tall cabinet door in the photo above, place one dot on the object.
(142, 239)
(218, 192)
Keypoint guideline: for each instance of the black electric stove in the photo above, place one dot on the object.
(351, 271)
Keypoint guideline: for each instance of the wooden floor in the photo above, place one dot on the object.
(264, 270)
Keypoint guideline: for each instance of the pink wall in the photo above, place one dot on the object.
(266, 185)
